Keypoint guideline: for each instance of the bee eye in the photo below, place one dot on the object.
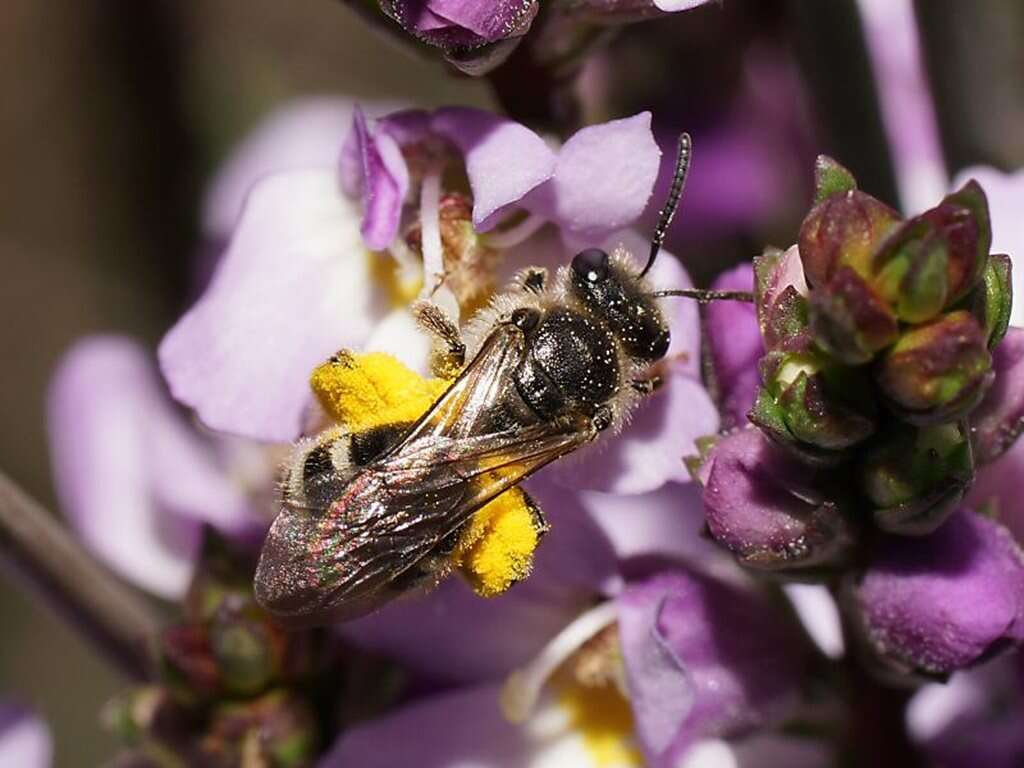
(591, 265)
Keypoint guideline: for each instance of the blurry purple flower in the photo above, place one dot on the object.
(977, 718)
(24, 738)
(135, 480)
(907, 111)
(736, 344)
(942, 602)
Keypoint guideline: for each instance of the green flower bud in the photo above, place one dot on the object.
(850, 320)
(806, 407)
(913, 271)
(937, 372)
(916, 477)
(831, 178)
(992, 300)
(277, 730)
(247, 650)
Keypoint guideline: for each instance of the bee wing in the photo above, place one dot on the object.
(347, 559)
(484, 382)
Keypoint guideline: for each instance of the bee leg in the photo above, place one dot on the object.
(436, 322)
(648, 385)
(532, 279)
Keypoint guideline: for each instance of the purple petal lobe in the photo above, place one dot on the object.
(504, 159)
(604, 177)
(492, 21)
(736, 344)
(134, 480)
(25, 740)
(703, 659)
(671, 6)
(292, 289)
(381, 178)
(938, 603)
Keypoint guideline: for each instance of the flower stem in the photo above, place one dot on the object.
(50, 561)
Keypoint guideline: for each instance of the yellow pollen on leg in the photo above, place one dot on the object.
(496, 548)
(368, 390)
(362, 391)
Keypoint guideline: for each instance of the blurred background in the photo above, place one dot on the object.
(116, 115)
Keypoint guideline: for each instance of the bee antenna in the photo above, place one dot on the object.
(705, 296)
(672, 201)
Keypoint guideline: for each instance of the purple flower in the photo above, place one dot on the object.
(296, 283)
(736, 344)
(478, 36)
(942, 602)
(24, 738)
(135, 480)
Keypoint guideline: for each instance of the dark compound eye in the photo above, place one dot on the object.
(591, 265)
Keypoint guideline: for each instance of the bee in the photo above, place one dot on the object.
(552, 365)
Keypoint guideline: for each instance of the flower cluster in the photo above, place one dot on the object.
(887, 380)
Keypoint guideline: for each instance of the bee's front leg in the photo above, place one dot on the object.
(532, 280)
(651, 381)
(451, 356)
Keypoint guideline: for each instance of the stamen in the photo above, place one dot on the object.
(430, 227)
(524, 686)
(515, 234)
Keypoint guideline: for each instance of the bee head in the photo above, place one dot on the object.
(609, 290)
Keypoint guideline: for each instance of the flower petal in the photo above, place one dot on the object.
(451, 635)
(672, 6)
(492, 21)
(736, 344)
(504, 159)
(938, 603)
(462, 729)
(25, 740)
(603, 179)
(305, 133)
(736, 665)
(293, 288)
(133, 480)
(373, 167)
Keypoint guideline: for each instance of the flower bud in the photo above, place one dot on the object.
(917, 477)
(247, 649)
(930, 605)
(937, 372)
(831, 178)
(780, 292)
(843, 230)
(992, 300)
(769, 511)
(278, 729)
(850, 320)
(815, 414)
(999, 420)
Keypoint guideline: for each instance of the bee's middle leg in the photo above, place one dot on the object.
(435, 321)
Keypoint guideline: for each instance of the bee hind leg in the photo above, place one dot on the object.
(449, 353)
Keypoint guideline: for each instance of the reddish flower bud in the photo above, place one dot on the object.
(937, 372)
(843, 230)
(850, 320)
